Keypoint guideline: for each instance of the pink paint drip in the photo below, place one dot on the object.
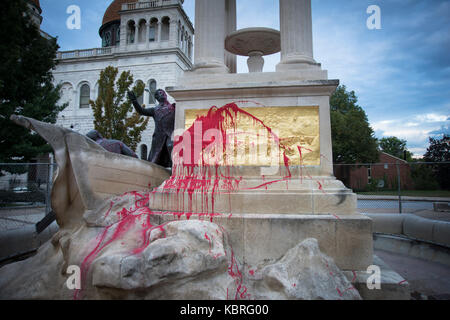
(341, 293)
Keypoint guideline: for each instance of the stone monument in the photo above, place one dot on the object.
(251, 209)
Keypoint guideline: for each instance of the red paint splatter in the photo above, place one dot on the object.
(354, 276)
(210, 242)
(196, 173)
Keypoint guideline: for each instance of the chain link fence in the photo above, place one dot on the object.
(390, 187)
(398, 187)
(25, 209)
(26, 185)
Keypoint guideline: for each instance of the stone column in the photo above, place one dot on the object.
(230, 59)
(296, 35)
(159, 31)
(210, 29)
(123, 34)
(173, 32)
(147, 32)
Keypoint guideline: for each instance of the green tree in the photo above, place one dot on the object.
(26, 83)
(113, 112)
(396, 147)
(439, 151)
(352, 137)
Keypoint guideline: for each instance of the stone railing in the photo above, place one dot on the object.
(149, 4)
(413, 227)
(62, 55)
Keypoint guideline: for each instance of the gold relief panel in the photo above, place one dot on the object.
(297, 128)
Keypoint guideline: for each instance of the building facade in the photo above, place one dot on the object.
(384, 175)
(151, 39)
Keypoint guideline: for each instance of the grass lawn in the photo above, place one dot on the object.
(411, 193)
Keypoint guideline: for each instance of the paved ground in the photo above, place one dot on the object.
(442, 216)
(428, 280)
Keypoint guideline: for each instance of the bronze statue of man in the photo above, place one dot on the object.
(164, 115)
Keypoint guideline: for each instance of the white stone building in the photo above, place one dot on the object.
(152, 39)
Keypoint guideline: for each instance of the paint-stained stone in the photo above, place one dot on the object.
(181, 260)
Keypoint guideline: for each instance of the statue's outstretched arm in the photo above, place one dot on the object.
(150, 112)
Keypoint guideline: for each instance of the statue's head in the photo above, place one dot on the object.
(94, 135)
(160, 96)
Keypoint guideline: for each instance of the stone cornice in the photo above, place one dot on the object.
(262, 89)
(125, 54)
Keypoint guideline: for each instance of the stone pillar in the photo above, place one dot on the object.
(210, 29)
(123, 34)
(296, 35)
(230, 59)
(173, 32)
(159, 31)
(147, 32)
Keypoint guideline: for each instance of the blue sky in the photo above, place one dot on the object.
(400, 73)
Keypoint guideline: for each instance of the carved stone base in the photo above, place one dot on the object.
(316, 196)
(257, 239)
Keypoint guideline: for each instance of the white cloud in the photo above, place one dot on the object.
(415, 129)
(431, 117)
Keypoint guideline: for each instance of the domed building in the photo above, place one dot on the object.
(152, 39)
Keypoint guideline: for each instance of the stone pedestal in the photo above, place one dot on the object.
(265, 222)
(258, 239)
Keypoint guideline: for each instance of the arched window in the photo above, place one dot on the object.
(165, 29)
(85, 96)
(190, 48)
(140, 99)
(152, 84)
(182, 39)
(131, 31)
(107, 39)
(185, 46)
(144, 152)
(152, 35)
(141, 32)
(179, 33)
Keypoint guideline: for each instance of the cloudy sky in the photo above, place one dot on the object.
(400, 73)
